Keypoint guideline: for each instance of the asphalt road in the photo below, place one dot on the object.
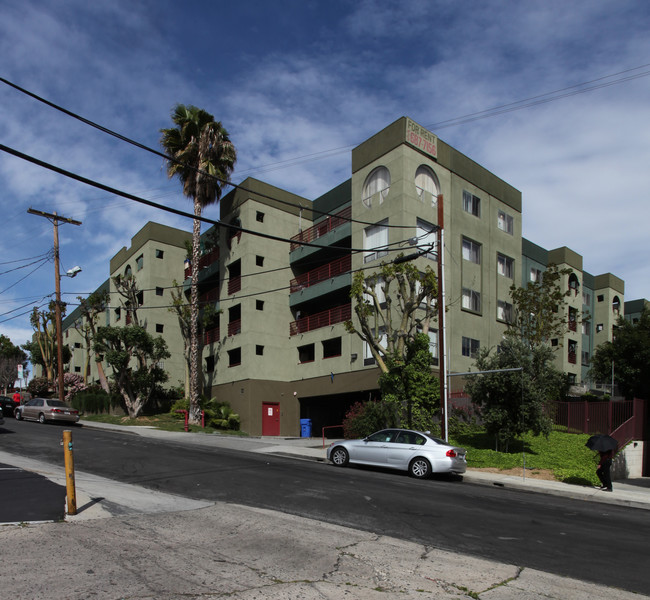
(600, 543)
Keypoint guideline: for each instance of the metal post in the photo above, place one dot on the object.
(57, 312)
(69, 472)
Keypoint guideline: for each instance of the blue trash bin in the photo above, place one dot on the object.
(305, 428)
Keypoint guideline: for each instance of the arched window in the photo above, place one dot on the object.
(426, 184)
(128, 272)
(616, 305)
(574, 284)
(377, 185)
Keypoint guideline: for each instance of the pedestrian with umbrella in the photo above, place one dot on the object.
(605, 445)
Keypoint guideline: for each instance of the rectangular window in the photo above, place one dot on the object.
(471, 347)
(586, 298)
(139, 262)
(332, 348)
(471, 251)
(600, 298)
(77, 369)
(535, 275)
(259, 350)
(599, 327)
(368, 358)
(471, 300)
(586, 328)
(427, 236)
(505, 266)
(504, 311)
(159, 291)
(375, 241)
(159, 327)
(159, 253)
(471, 204)
(585, 358)
(259, 261)
(505, 222)
(118, 314)
(234, 357)
(306, 353)
(259, 304)
(259, 217)
(209, 364)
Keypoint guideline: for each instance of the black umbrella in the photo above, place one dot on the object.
(602, 443)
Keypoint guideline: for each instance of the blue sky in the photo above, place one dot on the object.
(298, 84)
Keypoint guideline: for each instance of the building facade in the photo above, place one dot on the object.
(277, 273)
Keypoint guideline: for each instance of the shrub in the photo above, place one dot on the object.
(365, 418)
(94, 400)
(39, 386)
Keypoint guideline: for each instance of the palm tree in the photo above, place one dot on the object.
(202, 156)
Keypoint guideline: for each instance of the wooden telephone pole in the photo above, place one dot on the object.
(54, 218)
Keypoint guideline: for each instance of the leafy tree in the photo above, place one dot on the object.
(410, 386)
(513, 403)
(630, 353)
(538, 308)
(36, 358)
(91, 308)
(123, 346)
(203, 158)
(392, 305)
(183, 312)
(43, 348)
(10, 357)
(364, 418)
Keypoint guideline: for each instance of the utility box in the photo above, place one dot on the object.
(305, 428)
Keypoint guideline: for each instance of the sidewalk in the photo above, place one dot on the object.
(130, 542)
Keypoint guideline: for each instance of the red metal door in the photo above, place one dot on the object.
(270, 418)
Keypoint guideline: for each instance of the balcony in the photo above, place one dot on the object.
(211, 336)
(573, 325)
(209, 297)
(204, 261)
(234, 327)
(319, 230)
(234, 285)
(338, 314)
(572, 357)
(342, 265)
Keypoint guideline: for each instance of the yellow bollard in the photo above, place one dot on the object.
(69, 472)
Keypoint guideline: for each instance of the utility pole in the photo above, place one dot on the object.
(442, 366)
(54, 218)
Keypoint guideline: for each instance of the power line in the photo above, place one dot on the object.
(170, 209)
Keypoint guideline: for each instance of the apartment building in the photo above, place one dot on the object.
(154, 259)
(277, 273)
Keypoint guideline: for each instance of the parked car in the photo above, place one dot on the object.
(417, 452)
(2, 421)
(7, 404)
(46, 409)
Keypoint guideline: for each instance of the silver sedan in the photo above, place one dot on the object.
(416, 452)
(46, 409)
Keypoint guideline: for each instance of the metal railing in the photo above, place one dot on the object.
(338, 314)
(336, 267)
(320, 229)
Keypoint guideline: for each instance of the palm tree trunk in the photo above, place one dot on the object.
(195, 409)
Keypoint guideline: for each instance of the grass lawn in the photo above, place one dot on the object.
(563, 454)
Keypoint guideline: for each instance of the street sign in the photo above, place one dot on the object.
(20, 371)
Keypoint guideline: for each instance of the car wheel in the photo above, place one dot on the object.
(340, 456)
(420, 468)
(41, 419)
(18, 414)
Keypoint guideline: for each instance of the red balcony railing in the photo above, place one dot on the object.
(234, 327)
(211, 336)
(573, 325)
(234, 285)
(208, 297)
(338, 314)
(342, 265)
(204, 261)
(319, 230)
(572, 357)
